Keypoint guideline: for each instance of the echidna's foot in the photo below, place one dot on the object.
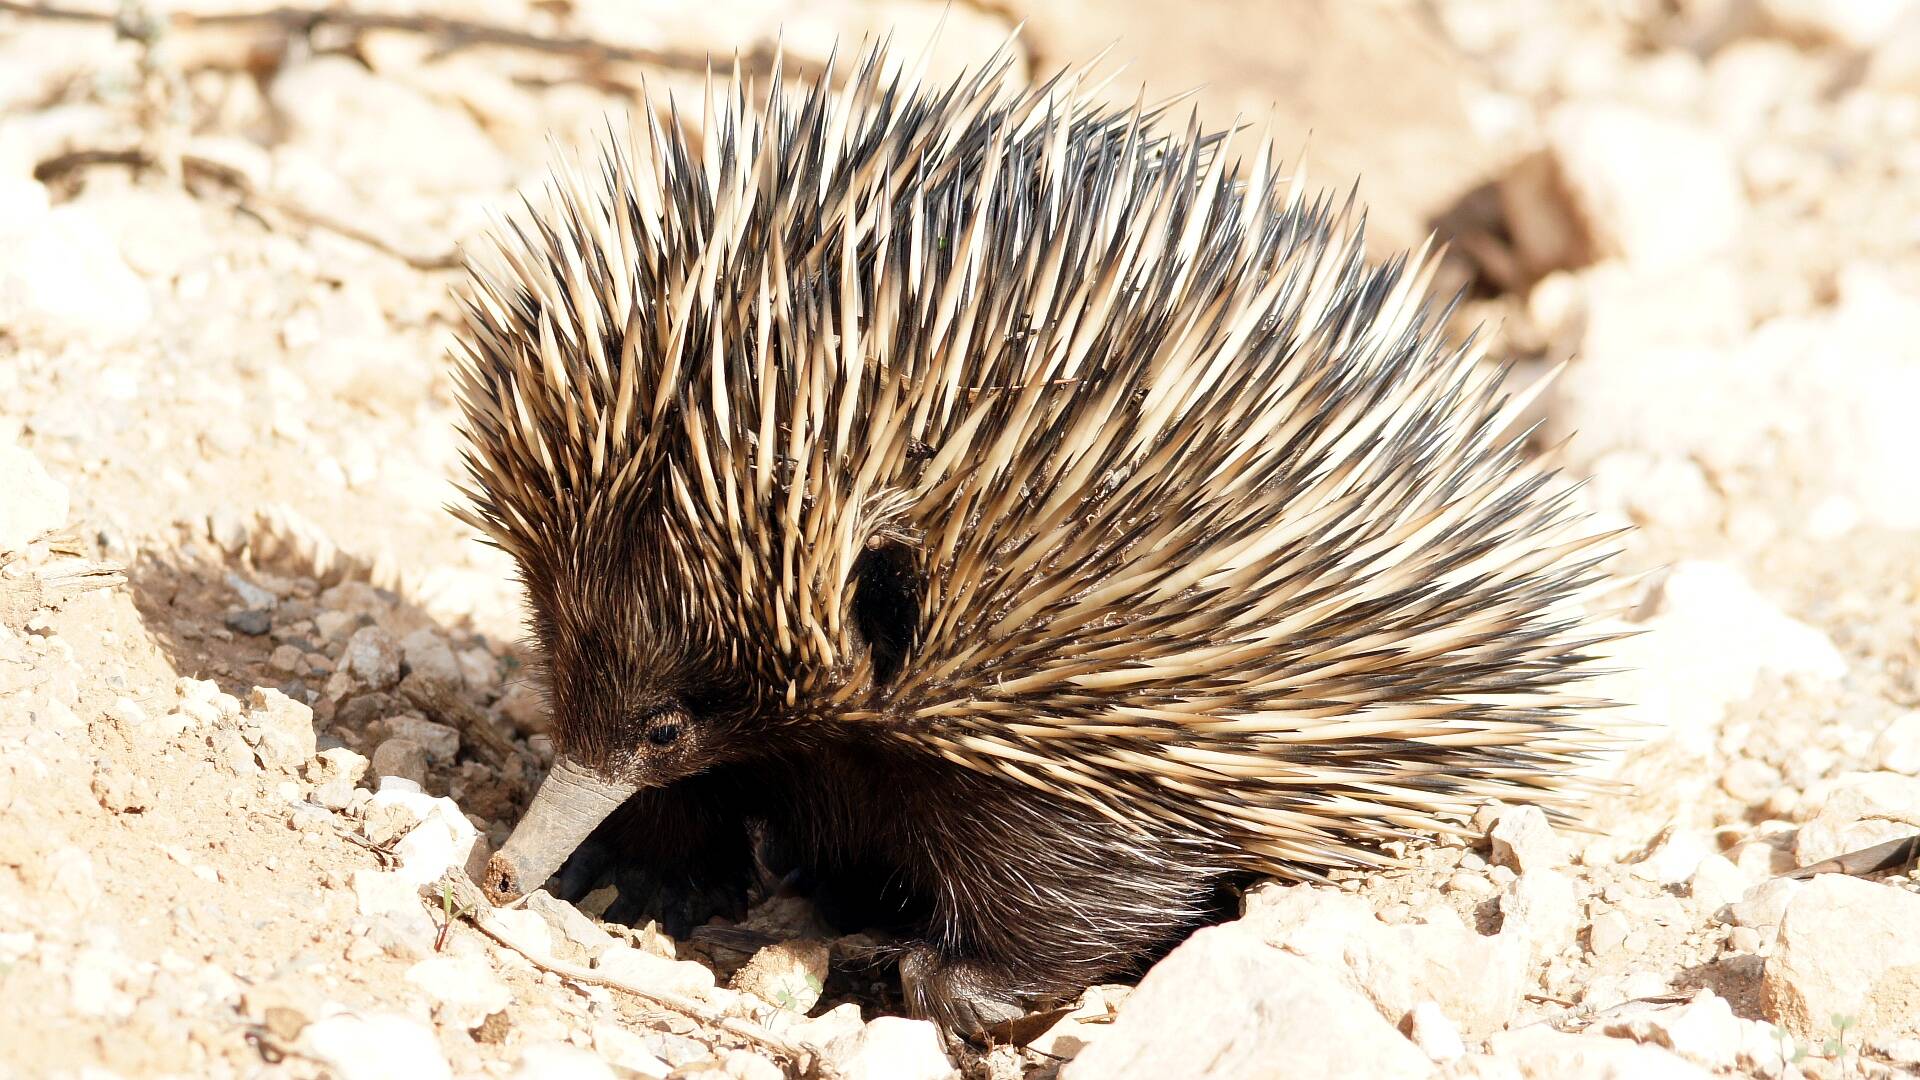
(678, 901)
(965, 996)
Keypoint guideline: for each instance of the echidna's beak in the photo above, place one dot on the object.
(571, 803)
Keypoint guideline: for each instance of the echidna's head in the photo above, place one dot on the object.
(636, 408)
(638, 676)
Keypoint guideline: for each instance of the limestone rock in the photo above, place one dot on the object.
(1225, 1003)
(376, 1046)
(1432, 957)
(891, 1048)
(1847, 949)
(1860, 811)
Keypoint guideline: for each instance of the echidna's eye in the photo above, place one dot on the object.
(663, 734)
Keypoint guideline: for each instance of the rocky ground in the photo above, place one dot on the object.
(259, 692)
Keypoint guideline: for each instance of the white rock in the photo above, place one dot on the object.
(284, 729)
(251, 596)
(336, 626)
(1811, 405)
(1860, 810)
(95, 975)
(1898, 746)
(1847, 948)
(127, 713)
(1675, 860)
(1523, 839)
(523, 706)
(376, 1046)
(31, 502)
(1895, 67)
(1432, 957)
(15, 946)
(1716, 882)
(441, 840)
(1542, 908)
(478, 669)
(196, 689)
(1704, 1031)
(1624, 307)
(1654, 490)
(1226, 1004)
(1648, 188)
(240, 154)
(891, 1048)
(654, 972)
(747, 1065)
(62, 276)
(337, 763)
(838, 1022)
(1832, 517)
(1763, 905)
(627, 1052)
(464, 989)
(1608, 932)
(69, 876)
(1856, 24)
(1434, 1034)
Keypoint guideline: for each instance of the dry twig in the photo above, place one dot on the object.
(1894, 855)
(453, 33)
(440, 701)
(464, 897)
(257, 203)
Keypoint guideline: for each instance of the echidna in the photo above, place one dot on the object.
(1030, 523)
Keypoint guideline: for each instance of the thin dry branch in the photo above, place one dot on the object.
(259, 204)
(468, 901)
(441, 702)
(453, 33)
(1894, 855)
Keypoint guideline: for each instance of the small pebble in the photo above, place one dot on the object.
(1743, 939)
(1608, 933)
(372, 657)
(252, 622)
(401, 757)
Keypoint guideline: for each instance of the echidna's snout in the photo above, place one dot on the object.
(571, 803)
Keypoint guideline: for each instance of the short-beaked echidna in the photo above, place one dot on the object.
(1025, 522)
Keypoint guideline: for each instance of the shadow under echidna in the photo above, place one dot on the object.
(1024, 520)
